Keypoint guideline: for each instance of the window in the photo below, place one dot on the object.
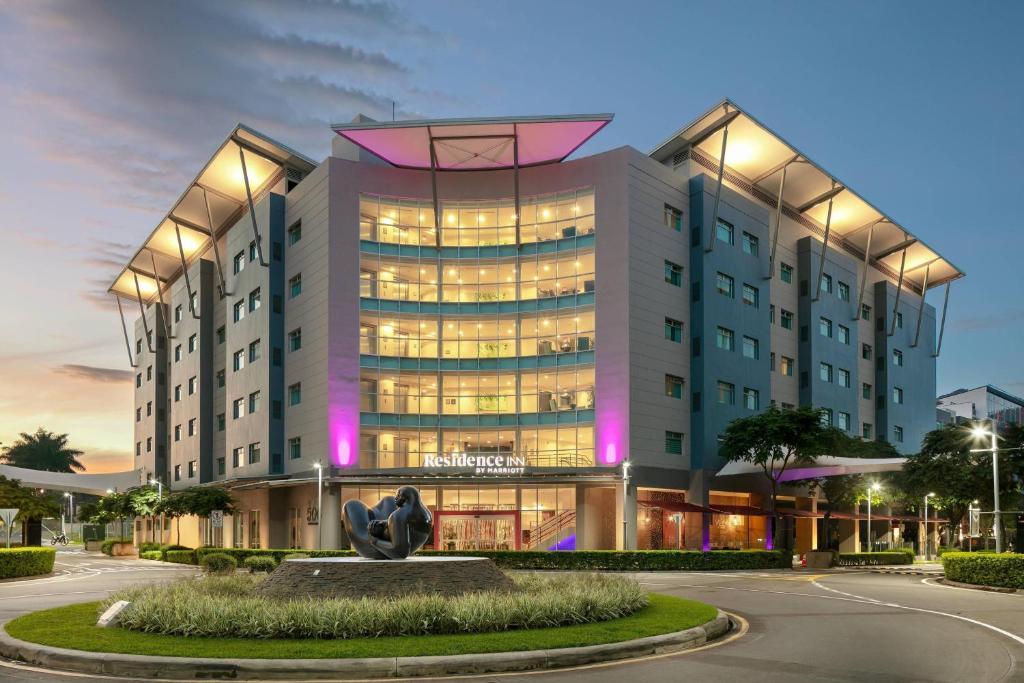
(238, 312)
(138, 448)
(725, 285)
(673, 274)
(751, 398)
(275, 356)
(221, 422)
(844, 378)
(237, 408)
(771, 361)
(865, 430)
(191, 469)
(238, 263)
(825, 372)
(899, 320)
(275, 303)
(193, 382)
(236, 456)
(138, 414)
(193, 343)
(149, 408)
(897, 357)
(843, 421)
(177, 353)
(253, 252)
(787, 366)
(254, 351)
(295, 394)
(177, 313)
(726, 393)
(149, 444)
(220, 466)
(254, 453)
(786, 272)
(295, 233)
(254, 299)
(724, 232)
(897, 433)
(844, 334)
(865, 391)
(725, 339)
(750, 295)
(826, 283)
(138, 346)
(695, 347)
(295, 448)
(177, 392)
(238, 360)
(750, 348)
(149, 373)
(674, 386)
(826, 417)
(193, 303)
(177, 432)
(220, 379)
(844, 291)
(673, 218)
(694, 292)
(865, 312)
(673, 330)
(749, 244)
(786, 319)
(254, 402)
(897, 395)
(771, 313)
(221, 335)
(177, 473)
(865, 351)
(825, 327)
(673, 443)
(295, 339)
(275, 409)
(295, 286)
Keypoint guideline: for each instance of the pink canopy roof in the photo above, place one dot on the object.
(475, 144)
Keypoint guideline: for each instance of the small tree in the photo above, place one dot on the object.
(144, 502)
(199, 501)
(774, 440)
(31, 504)
(115, 506)
(174, 506)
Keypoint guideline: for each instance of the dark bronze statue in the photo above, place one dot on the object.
(394, 529)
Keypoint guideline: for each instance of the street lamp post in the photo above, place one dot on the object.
(997, 521)
(678, 517)
(319, 501)
(926, 554)
(625, 496)
(159, 496)
(71, 510)
(871, 489)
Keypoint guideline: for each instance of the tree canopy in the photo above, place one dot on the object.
(43, 450)
(30, 502)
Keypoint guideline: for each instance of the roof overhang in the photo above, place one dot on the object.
(755, 156)
(220, 182)
(474, 144)
(95, 484)
(824, 466)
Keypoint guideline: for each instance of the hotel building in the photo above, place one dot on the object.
(457, 305)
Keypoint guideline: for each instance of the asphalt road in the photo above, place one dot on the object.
(802, 626)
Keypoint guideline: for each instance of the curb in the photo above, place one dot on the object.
(977, 587)
(180, 668)
(908, 572)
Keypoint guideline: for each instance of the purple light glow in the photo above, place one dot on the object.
(343, 432)
(567, 543)
(609, 440)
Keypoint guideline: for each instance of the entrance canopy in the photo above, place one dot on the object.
(474, 144)
(824, 466)
(96, 484)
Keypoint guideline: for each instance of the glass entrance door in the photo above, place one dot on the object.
(476, 531)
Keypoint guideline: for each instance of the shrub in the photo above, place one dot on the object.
(148, 547)
(26, 561)
(985, 569)
(240, 554)
(151, 555)
(108, 545)
(218, 563)
(256, 563)
(295, 556)
(229, 606)
(873, 559)
(186, 556)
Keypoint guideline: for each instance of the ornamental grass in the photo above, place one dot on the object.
(229, 606)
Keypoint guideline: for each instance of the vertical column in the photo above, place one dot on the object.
(330, 517)
(625, 510)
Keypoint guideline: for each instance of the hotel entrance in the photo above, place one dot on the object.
(477, 530)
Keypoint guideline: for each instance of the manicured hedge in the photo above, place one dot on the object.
(985, 569)
(181, 556)
(151, 555)
(26, 561)
(873, 559)
(241, 554)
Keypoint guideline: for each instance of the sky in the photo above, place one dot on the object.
(109, 109)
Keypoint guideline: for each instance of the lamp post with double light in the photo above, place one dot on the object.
(872, 489)
(927, 555)
(980, 432)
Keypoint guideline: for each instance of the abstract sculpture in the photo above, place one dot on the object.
(394, 529)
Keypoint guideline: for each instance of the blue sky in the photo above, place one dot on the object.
(110, 107)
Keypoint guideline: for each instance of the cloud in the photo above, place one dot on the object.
(90, 373)
(988, 322)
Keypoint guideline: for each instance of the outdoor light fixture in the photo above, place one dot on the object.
(71, 510)
(980, 432)
(319, 501)
(625, 495)
(927, 555)
(874, 487)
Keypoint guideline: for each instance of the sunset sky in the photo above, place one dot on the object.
(109, 108)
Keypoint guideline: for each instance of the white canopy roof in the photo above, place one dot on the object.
(824, 466)
(96, 484)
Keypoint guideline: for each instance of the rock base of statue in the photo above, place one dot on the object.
(357, 577)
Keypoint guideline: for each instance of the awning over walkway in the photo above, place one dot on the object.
(679, 507)
(95, 484)
(824, 466)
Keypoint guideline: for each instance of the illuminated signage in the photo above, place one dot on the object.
(482, 465)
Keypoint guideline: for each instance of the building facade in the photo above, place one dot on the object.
(981, 403)
(455, 305)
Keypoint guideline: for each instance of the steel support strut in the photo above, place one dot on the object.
(124, 328)
(899, 290)
(433, 189)
(216, 249)
(184, 270)
(864, 274)
(824, 246)
(515, 177)
(252, 209)
(778, 223)
(942, 325)
(718, 190)
(160, 295)
(920, 310)
(142, 311)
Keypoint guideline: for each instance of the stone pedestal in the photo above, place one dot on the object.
(357, 577)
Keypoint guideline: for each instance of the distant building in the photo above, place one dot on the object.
(982, 403)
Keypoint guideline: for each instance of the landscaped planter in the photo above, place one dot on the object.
(122, 549)
(94, 545)
(820, 559)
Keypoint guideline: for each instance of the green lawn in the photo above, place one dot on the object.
(74, 627)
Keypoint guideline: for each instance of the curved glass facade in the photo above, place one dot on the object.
(472, 341)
